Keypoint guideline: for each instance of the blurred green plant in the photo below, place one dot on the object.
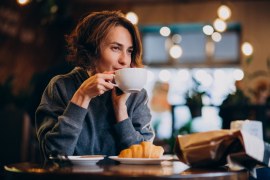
(194, 99)
(194, 95)
(237, 98)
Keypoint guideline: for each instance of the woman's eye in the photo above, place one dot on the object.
(130, 51)
(115, 48)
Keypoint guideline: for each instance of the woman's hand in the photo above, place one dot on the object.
(94, 86)
(119, 104)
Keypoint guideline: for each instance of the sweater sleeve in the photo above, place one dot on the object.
(58, 121)
(137, 127)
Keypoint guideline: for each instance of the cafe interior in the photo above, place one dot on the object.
(208, 64)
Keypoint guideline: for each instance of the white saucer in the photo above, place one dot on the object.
(86, 159)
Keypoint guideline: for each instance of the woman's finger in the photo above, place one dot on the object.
(106, 77)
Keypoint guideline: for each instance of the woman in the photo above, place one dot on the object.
(82, 112)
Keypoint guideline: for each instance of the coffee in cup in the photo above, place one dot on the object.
(131, 80)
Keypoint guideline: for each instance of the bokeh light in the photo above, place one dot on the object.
(165, 31)
(164, 75)
(216, 37)
(220, 25)
(176, 51)
(238, 74)
(224, 12)
(208, 29)
(132, 17)
(247, 49)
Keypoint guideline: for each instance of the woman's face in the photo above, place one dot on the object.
(115, 50)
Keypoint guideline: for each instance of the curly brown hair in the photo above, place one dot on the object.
(84, 41)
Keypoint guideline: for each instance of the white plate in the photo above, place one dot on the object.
(141, 160)
(85, 160)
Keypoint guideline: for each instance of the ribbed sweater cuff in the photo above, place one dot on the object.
(75, 113)
(125, 129)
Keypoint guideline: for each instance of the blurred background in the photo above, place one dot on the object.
(208, 63)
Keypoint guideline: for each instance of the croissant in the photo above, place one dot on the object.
(143, 150)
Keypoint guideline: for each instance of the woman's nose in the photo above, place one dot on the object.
(124, 58)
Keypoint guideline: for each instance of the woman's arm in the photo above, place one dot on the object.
(58, 121)
(94, 86)
(62, 111)
(137, 127)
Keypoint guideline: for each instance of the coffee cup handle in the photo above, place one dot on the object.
(115, 85)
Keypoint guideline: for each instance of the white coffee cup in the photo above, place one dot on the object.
(131, 80)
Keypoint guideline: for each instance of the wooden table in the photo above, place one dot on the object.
(115, 171)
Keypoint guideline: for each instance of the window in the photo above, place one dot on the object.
(198, 49)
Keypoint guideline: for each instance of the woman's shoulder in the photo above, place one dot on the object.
(67, 82)
(77, 75)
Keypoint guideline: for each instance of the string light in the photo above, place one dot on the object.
(176, 38)
(176, 51)
(132, 17)
(216, 36)
(164, 75)
(165, 31)
(220, 25)
(247, 49)
(208, 30)
(238, 74)
(23, 2)
(224, 12)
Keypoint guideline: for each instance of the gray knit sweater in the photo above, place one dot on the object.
(64, 127)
